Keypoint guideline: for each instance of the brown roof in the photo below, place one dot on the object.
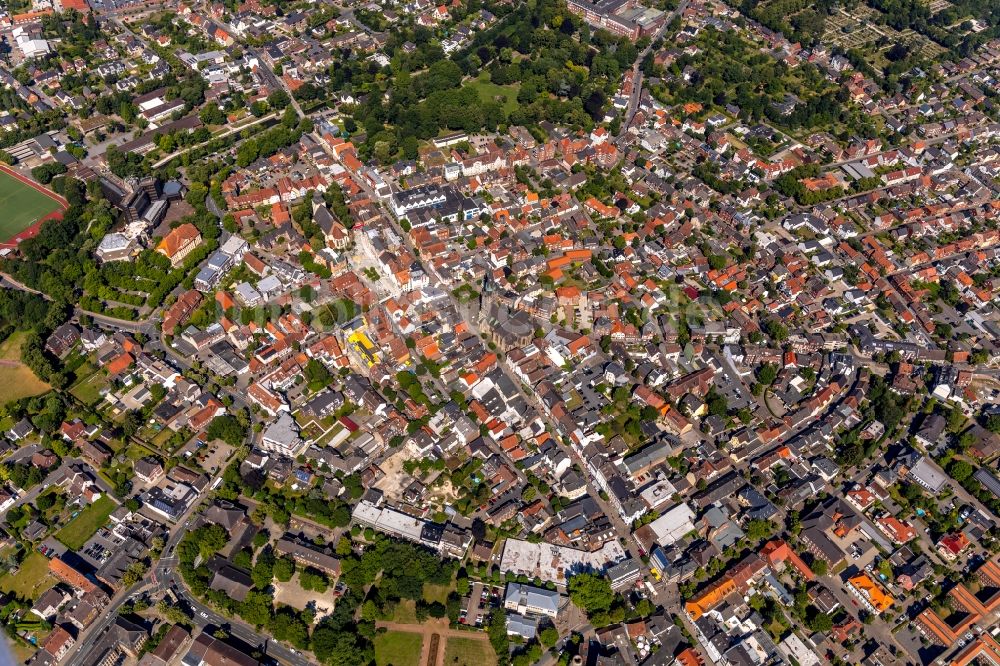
(178, 239)
(119, 364)
(232, 581)
(69, 575)
(171, 643)
(56, 640)
(187, 123)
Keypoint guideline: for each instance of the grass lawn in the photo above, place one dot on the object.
(31, 579)
(488, 91)
(136, 451)
(22, 206)
(302, 418)
(434, 593)
(330, 434)
(88, 389)
(468, 652)
(162, 437)
(397, 648)
(406, 612)
(21, 650)
(16, 381)
(87, 522)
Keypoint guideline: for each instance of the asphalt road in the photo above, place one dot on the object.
(275, 82)
(633, 102)
(30, 496)
(159, 579)
(145, 326)
(97, 630)
(91, 635)
(161, 571)
(205, 617)
(184, 363)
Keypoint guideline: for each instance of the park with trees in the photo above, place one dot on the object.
(558, 69)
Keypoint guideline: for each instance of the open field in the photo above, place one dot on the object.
(23, 206)
(434, 593)
(406, 612)
(31, 579)
(468, 652)
(80, 529)
(16, 380)
(397, 648)
(489, 91)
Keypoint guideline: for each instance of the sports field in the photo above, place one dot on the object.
(22, 205)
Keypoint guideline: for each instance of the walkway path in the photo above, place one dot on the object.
(147, 325)
(222, 135)
(427, 631)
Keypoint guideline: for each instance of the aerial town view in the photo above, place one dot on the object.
(500, 332)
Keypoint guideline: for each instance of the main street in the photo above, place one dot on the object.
(29, 496)
(622, 530)
(633, 102)
(273, 81)
(664, 594)
(163, 575)
(92, 634)
(204, 616)
(207, 618)
(185, 363)
(460, 307)
(164, 569)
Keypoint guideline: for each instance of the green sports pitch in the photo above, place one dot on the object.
(21, 206)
